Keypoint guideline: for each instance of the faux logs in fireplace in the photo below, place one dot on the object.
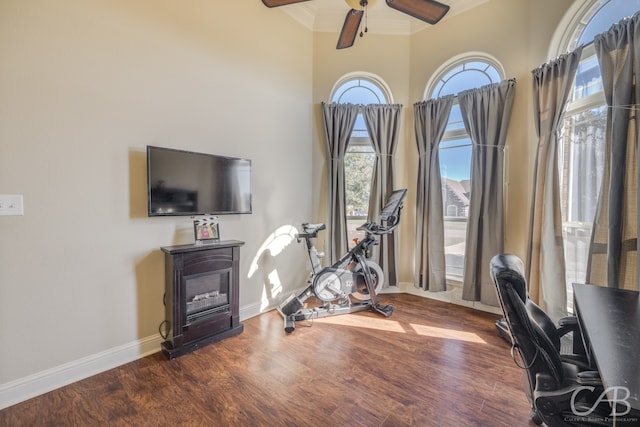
(201, 295)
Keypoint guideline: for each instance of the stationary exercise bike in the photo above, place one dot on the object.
(353, 282)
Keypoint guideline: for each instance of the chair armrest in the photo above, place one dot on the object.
(569, 320)
(568, 324)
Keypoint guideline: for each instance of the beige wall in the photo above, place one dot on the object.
(84, 87)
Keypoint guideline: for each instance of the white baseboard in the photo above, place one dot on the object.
(251, 310)
(452, 295)
(42, 382)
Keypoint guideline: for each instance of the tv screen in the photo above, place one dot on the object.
(187, 183)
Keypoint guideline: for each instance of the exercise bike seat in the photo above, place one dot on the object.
(313, 228)
(310, 230)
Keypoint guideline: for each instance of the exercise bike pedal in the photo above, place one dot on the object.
(289, 324)
(291, 305)
(386, 310)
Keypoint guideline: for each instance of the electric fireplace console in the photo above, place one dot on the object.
(201, 295)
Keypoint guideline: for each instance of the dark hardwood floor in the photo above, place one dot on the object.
(430, 364)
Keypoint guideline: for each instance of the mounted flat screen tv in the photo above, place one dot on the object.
(183, 183)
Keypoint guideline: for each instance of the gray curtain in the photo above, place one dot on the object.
(486, 112)
(552, 84)
(339, 120)
(430, 118)
(383, 124)
(613, 258)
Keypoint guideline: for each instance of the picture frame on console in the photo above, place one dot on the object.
(206, 230)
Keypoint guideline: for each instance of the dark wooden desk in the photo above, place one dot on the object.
(610, 323)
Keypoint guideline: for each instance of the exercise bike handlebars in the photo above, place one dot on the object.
(389, 216)
(373, 228)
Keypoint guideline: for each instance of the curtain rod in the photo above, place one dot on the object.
(472, 145)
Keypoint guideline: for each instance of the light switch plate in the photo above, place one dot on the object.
(11, 204)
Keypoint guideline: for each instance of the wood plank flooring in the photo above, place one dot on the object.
(430, 364)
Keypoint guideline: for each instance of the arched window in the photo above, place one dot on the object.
(582, 145)
(359, 89)
(464, 72)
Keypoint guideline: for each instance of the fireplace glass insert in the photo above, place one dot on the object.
(206, 294)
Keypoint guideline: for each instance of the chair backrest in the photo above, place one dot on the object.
(539, 354)
(544, 321)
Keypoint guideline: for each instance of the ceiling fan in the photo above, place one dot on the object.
(430, 11)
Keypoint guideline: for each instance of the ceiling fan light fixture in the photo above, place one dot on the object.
(359, 4)
(430, 11)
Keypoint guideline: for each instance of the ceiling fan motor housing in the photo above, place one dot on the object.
(358, 4)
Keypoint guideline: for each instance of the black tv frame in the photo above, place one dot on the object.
(151, 186)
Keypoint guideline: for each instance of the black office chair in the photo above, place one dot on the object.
(552, 381)
(566, 325)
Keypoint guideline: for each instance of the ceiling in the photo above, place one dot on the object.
(329, 15)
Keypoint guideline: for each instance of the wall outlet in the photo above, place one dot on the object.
(11, 204)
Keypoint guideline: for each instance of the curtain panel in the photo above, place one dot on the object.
(486, 112)
(383, 124)
(339, 120)
(613, 257)
(552, 85)
(430, 120)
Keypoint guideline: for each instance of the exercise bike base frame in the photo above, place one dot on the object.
(332, 310)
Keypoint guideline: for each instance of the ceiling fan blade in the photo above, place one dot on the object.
(350, 29)
(276, 3)
(430, 11)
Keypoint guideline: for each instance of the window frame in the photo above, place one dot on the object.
(360, 137)
(454, 273)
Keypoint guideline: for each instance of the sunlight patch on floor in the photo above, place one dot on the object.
(381, 324)
(434, 332)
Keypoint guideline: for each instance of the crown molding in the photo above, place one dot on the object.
(327, 16)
